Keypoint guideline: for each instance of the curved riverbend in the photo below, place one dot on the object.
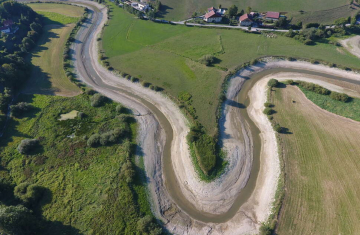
(185, 204)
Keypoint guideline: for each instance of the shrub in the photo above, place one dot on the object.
(127, 170)
(254, 61)
(16, 220)
(273, 83)
(127, 77)
(27, 145)
(278, 128)
(268, 111)
(94, 140)
(81, 115)
(146, 225)
(28, 193)
(145, 84)
(339, 96)
(207, 60)
(289, 82)
(20, 108)
(120, 108)
(268, 105)
(134, 79)
(90, 91)
(315, 88)
(97, 100)
(124, 117)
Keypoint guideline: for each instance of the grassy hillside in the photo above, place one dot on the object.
(168, 56)
(87, 187)
(176, 10)
(320, 152)
(63, 9)
(48, 75)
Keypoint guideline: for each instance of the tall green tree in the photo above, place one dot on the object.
(232, 11)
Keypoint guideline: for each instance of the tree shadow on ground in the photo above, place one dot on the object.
(285, 130)
(164, 10)
(235, 104)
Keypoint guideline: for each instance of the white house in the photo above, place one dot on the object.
(245, 20)
(212, 16)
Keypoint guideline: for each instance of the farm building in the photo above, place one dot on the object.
(140, 6)
(212, 16)
(220, 11)
(270, 15)
(245, 20)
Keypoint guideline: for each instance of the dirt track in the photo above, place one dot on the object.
(156, 112)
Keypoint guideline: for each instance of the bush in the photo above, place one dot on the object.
(17, 220)
(268, 105)
(207, 60)
(289, 82)
(81, 115)
(127, 77)
(20, 108)
(339, 96)
(90, 91)
(120, 108)
(315, 88)
(27, 145)
(273, 83)
(94, 140)
(134, 79)
(278, 128)
(28, 193)
(124, 117)
(127, 170)
(145, 84)
(268, 111)
(254, 61)
(97, 100)
(146, 225)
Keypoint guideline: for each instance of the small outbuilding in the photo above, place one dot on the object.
(212, 16)
(271, 15)
(245, 20)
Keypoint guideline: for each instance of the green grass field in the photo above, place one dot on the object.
(63, 9)
(176, 10)
(320, 154)
(87, 191)
(167, 56)
(48, 75)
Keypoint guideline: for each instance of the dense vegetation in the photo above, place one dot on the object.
(335, 102)
(48, 170)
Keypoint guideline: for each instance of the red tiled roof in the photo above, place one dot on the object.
(211, 14)
(274, 15)
(211, 9)
(244, 17)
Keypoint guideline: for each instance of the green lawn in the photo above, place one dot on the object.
(56, 18)
(63, 9)
(87, 191)
(167, 56)
(320, 154)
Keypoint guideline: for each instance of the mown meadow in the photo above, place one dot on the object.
(320, 153)
(48, 75)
